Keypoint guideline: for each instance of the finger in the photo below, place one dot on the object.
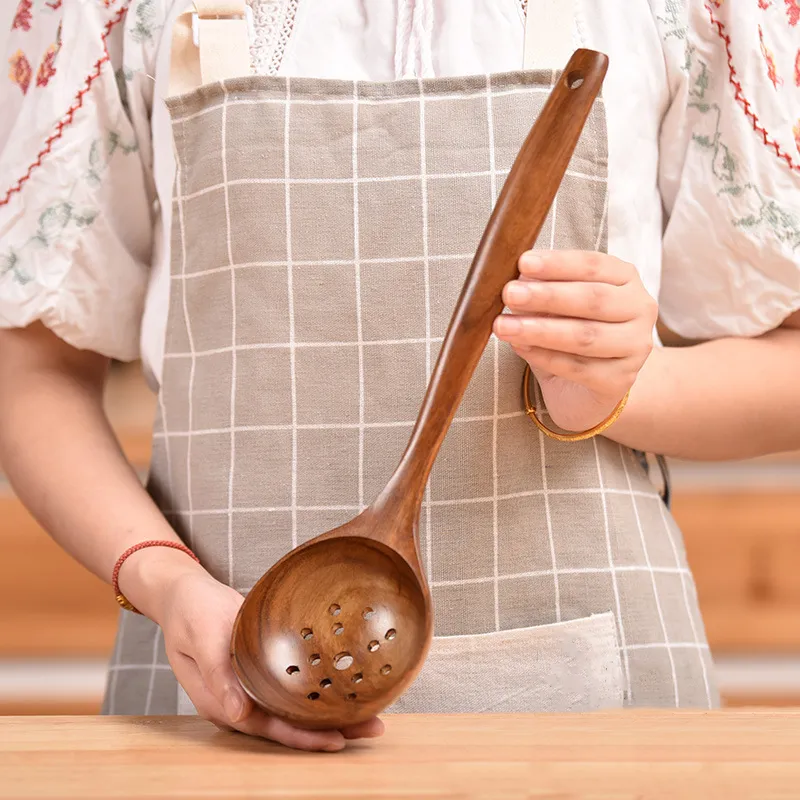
(369, 729)
(603, 375)
(579, 337)
(254, 722)
(203, 700)
(257, 723)
(221, 680)
(212, 657)
(575, 265)
(594, 301)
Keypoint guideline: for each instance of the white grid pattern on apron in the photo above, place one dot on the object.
(224, 157)
(290, 303)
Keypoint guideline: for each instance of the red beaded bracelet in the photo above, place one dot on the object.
(121, 599)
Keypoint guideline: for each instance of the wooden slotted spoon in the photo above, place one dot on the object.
(340, 627)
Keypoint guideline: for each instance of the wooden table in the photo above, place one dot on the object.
(677, 755)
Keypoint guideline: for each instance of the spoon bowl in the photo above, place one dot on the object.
(334, 632)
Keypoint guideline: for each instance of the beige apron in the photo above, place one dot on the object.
(321, 233)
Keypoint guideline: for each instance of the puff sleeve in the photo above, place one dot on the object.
(730, 166)
(76, 193)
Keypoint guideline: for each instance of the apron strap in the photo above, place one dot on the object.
(209, 43)
(549, 26)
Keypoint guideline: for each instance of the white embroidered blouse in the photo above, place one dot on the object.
(703, 103)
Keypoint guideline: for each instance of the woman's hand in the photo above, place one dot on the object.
(584, 322)
(196, 614)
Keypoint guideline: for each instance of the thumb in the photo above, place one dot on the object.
(221, 681)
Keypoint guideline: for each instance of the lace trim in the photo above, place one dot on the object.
(283, 38)
(267, 22)
(273, 23)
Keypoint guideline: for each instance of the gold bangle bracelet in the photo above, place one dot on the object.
(530, 410)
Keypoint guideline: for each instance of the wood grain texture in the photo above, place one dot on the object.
(628, 755)
(744, 549)
(785, 701)
(49, 604)
(50, 707)
(287, 644)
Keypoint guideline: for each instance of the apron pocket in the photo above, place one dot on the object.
(566, 666)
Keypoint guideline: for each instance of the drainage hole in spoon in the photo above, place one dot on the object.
(368, 613)
(314, 659)
(357, 678)
(386, 669)
(373, 646)
(390, 634)
(335, 610)
(313, 696)
(342, 661)
(351, 696)
(338, 629)
(325, 683)
(293, 670)
(307, 633)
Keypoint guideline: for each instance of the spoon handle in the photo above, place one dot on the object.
(515, 224)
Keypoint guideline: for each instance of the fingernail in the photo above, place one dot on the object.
(334, 747)
(508, 325)
(531, 262)
(233, 705)
(518, 292)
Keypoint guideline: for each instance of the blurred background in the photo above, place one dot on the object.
(741, 522)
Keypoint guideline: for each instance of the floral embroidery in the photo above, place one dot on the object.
(144, 25)
(53, 5)
(23, 17)
(783, 223)
(48, 66)
(793, 11)
(67, 119)
(739, 92)
(675, 21)
(64, 214)
(769, 58)
(20, 72)
(10, 263)
(122, 76)
(764, 4)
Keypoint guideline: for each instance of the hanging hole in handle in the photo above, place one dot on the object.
(575, 80)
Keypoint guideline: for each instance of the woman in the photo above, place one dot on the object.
(284, 253)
